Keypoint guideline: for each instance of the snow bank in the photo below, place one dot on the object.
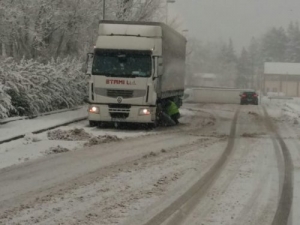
(186, 112)
(56, 150)
(69, 135)
(34, 146)
(283, 110)
(22, 127)
(101, 140)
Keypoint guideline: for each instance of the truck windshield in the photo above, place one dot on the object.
(122, 63)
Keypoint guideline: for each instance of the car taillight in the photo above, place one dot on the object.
(255, 95)
(243, 96)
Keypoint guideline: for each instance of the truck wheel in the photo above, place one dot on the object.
(93, 123)
(151, 126)
(104, 125)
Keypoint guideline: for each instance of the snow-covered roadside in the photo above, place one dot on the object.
(11, 119)
(291, 134)
(186, 112)
(33, 146)
(28, 126)
(282, 110)
(16, 118)
(29, 148)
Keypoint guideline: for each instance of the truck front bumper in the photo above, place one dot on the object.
(122, 114)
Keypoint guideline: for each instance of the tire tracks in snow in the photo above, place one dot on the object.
(190, 199)
(292, 140)
(286, 198)
(47, 195)
(249, 207)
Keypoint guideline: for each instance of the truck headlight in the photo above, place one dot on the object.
(94, 109)
(144, 112)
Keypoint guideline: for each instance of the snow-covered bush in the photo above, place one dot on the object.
(33, 87)
(5, 102)
(55, 28)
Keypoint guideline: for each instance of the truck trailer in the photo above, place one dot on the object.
(135, 66)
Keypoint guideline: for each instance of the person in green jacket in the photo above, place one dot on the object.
(173, 111)
(168, 113)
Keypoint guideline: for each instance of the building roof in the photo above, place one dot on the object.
(282, 68)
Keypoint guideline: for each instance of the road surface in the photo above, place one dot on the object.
(225, 164)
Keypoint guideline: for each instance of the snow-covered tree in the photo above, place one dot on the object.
(293, 43)
(245, 70)
(43, 29)
(213, 57)
(227, 64)
(274, 45)
(134, 10)
(5, 102)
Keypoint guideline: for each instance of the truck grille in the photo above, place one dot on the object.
(119, 106)
(119, 115)
(113, 108)
(120, 93)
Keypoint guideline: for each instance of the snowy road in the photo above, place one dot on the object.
(224, 164)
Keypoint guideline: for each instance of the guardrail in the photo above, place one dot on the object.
(280, 97)
(213, 95)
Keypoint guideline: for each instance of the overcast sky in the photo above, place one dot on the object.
(236, 19)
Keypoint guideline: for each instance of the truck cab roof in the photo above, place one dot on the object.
(138, 29)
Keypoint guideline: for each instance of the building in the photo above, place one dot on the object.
(282, 79)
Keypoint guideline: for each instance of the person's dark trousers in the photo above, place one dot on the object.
(175, 117)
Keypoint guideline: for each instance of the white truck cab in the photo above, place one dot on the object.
(134, 65)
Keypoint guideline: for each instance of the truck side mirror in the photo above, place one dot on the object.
(89, 63)
(160, 67)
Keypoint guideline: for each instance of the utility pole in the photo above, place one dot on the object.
(167, 9)
(104, 9)
(252, 81)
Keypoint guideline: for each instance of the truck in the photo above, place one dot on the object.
(135, 66)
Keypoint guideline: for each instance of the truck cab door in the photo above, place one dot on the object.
(159, 70)
(89, 63)
(160, 67)
(89, 66)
